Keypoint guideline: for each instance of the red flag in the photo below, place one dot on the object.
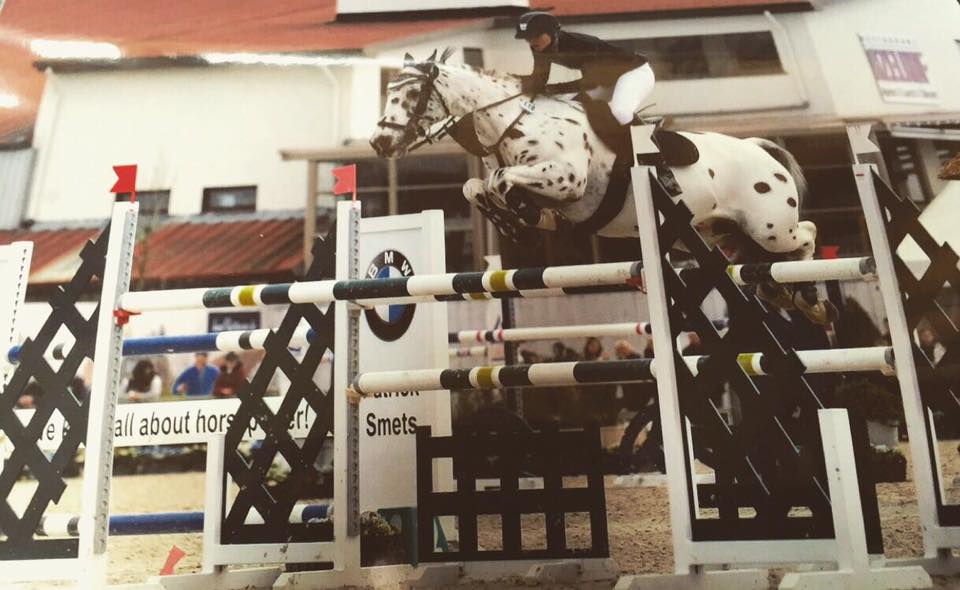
(126, 181)
(346, 180)
(176, 554)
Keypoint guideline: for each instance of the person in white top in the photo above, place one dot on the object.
(144, 384)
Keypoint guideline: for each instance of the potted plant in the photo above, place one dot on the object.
(876, 404)
(880, 408)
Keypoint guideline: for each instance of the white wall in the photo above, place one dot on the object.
(186, 128)
(835, 30)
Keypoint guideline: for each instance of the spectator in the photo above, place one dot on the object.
(79, 389)
(694, 345)
(563, 353)
(593, 350)
(930, 346)
(197, 380)
(625, 350)
(530, 357)
(30, 395)
(856, 328)
(144, 385)
(232, 376)
(648, 349)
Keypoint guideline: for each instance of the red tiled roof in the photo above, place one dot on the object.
(192, 252)
(203, 252)
(50, 246)
(148, 28)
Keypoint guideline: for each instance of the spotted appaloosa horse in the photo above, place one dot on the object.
(743, 192)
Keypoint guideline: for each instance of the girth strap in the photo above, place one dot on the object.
(613, 199)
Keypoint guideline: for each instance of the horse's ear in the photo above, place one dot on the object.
(446, 54)
(433, 56)
(408, 60)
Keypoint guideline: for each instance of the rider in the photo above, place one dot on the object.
(622, 78)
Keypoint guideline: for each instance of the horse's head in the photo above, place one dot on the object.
(413, 106)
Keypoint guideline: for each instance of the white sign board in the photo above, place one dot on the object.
(173, 423)
(899, 69)
(400, 337)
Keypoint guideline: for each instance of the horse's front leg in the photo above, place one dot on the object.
(556, 180)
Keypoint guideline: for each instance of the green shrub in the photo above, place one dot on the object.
(869, 399)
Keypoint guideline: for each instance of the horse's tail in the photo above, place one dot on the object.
(787, 160)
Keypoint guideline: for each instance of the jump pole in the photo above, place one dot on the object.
(615, 330)
(165, 523)
(429, 288)
(879, 359)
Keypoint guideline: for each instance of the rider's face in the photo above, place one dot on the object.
(541, 42)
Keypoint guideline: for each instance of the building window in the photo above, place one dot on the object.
(230, 199)
(152, 203)
(946, 150)
(904, 167)
(695, 57)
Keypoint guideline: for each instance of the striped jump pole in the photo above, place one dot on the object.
(835, 360)
(557, 280)
(228, 341)
(615, 330)
(491, 377)
(395, 290)
(165, 523)
(805, 271)
(878, 358)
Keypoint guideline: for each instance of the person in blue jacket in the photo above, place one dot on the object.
(198, 379)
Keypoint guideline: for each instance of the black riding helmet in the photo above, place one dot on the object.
(535, 23)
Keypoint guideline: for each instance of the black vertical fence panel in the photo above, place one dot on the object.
(550, 456)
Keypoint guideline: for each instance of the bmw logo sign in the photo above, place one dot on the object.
(389, 322)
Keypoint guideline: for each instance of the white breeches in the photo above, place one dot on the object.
(629, 94)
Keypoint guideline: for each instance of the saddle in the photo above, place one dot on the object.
(675, 149)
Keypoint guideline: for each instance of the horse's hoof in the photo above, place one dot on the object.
(822, 312)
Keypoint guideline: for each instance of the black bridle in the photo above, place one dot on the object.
(432, 132)
(414, 127)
